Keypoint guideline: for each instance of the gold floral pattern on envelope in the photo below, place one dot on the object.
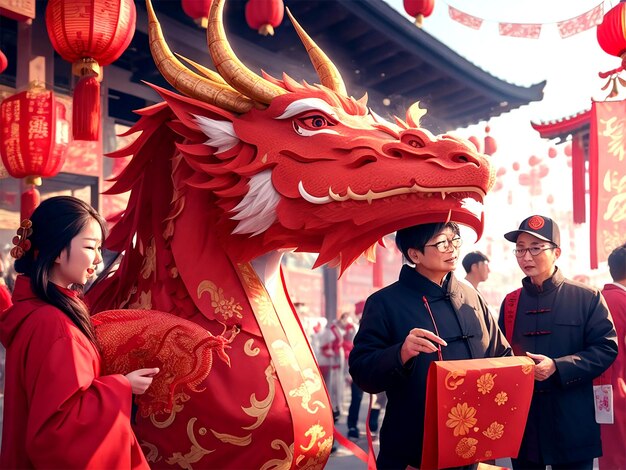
(485, 383)
(461, 418)
(494, 431)
(476, 410)
(466, 447)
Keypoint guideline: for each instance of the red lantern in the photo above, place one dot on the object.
(4, 62)
(90, 34)
(32, 143)
(534, 160)
(516, 166)
(552, 152)
(264, 15)
(490, 143)
(567, 150)
(473, 139)
(198, 10)
(419, 9)
(611, 32)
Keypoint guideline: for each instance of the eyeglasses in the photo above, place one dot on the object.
(534, 251)
(444, 245)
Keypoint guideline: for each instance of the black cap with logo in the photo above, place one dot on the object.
(539, 226)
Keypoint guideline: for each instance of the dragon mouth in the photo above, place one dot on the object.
(371, 195)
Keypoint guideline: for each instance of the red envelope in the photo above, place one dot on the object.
(476, 410)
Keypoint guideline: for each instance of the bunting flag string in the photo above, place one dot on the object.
(566, 28)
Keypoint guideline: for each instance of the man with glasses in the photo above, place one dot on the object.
(427, 314)
(566, 328)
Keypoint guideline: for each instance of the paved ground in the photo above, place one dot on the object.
(342, 458)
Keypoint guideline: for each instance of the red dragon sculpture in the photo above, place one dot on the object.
(224, 178)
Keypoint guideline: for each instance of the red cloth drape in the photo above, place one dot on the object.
(607, 170)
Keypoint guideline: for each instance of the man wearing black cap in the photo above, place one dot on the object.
(566, 328)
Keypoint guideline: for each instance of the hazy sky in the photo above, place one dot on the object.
(570, 65)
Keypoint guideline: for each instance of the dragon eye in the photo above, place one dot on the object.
(314, 122)
(413, 140)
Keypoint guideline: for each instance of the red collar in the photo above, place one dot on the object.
(23, 290)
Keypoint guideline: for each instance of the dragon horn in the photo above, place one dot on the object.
(186, 81)
(208, 73)
(230, 67)
(326, 70)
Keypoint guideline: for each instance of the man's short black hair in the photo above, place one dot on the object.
(473, 258)
(617, 263)
(418, 235)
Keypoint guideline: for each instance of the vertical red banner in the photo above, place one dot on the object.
(578, 179)
(379, 265)
(607, 178)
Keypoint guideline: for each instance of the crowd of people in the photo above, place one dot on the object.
(56, 397)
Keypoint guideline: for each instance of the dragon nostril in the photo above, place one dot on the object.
(463, 158)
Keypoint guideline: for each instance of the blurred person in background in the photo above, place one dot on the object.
(332, 359)
(5, 293)
(356, 397)
(614, 435)
(476, 265)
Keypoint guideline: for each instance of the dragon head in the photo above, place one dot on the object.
(306, 167)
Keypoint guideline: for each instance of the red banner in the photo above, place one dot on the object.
(607, 178)
(578, 179)
(465, 19)
(581, 23)
(520, 30)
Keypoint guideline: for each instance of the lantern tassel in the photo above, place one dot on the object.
(86, 109)
(29, 201)
(266, 29)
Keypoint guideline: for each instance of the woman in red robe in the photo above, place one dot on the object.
(59, 412)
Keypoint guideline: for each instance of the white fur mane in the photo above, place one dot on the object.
(221, 134)
(257, 210)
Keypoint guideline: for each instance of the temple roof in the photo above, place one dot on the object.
(376, 49)
(565, 126)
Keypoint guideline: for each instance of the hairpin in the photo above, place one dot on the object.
(21, 241)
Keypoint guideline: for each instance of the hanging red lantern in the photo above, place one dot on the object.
(264, 15)
(90, 35)
(419, 9)
(473, 139)
(552, 152)
(567, 150)
(611, 33)
(516, 166)
(198, 10)
(4, 62)
(534, 160)
(490, 143)
(32, 145)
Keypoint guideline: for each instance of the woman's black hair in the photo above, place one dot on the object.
(418, 235)
(56, 221)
